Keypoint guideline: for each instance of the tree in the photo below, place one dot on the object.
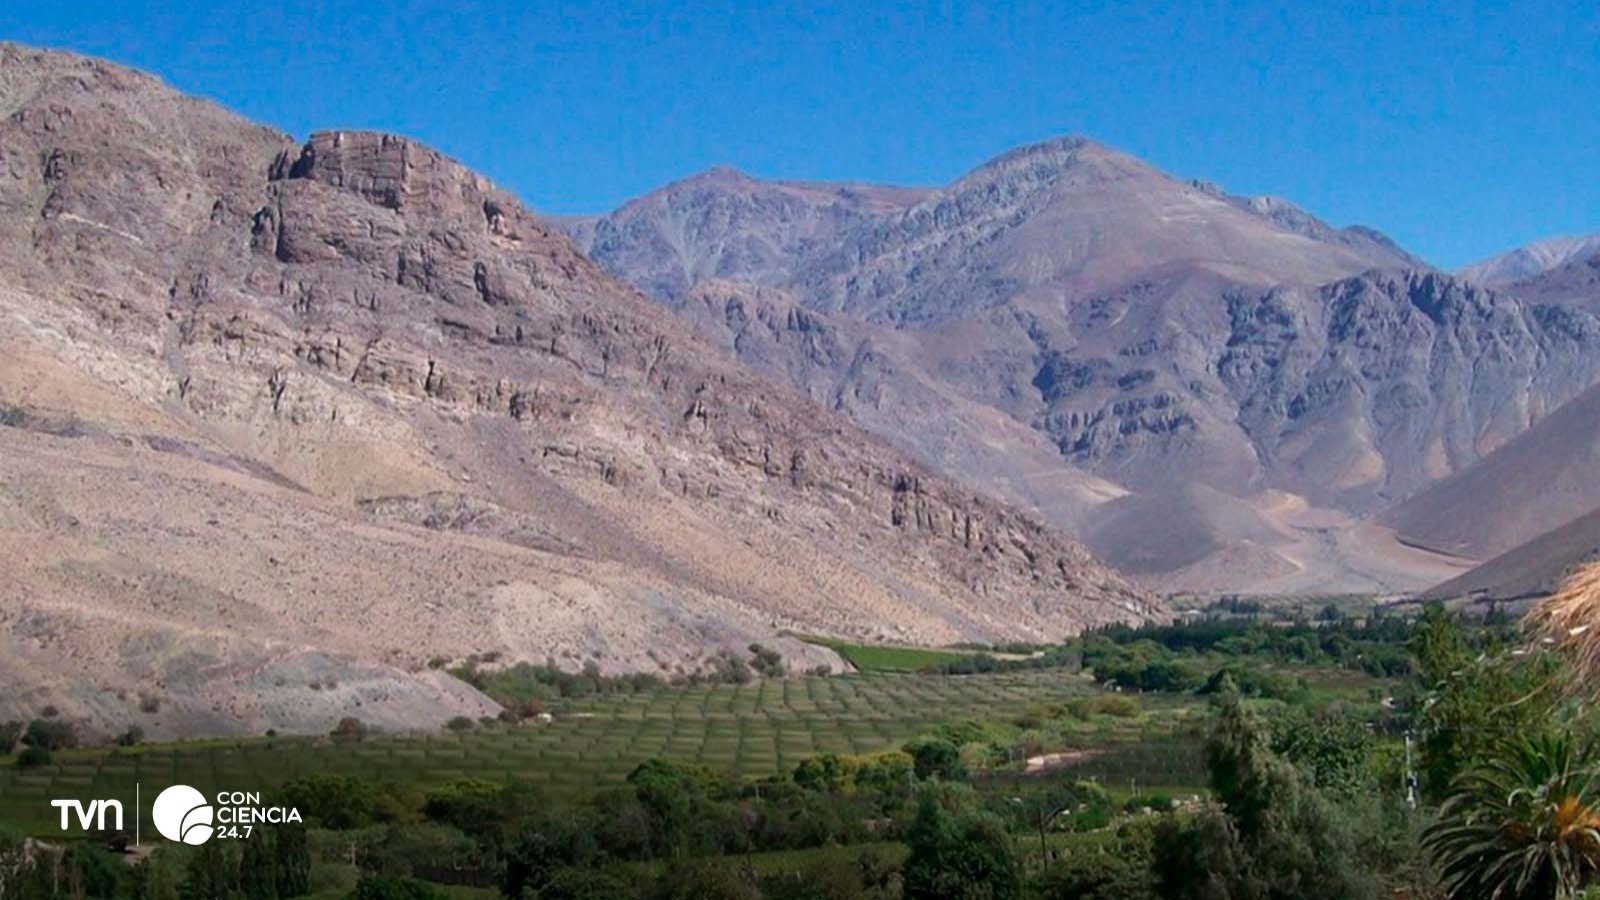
(1521, 824)
(704, 879)
(1475, 701)
(293, 859)
(1121, 871)
(258, 870)
(824, 772)
(158, 876)
(958, 855)
(1274, 836)
(542, 852)
(1333, 751)
(211, 875)
(331, 801)
(937, 758)
(51, 735)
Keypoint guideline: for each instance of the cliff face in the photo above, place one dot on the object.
(282, 422)
(1201, 370)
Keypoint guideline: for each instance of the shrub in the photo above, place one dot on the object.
(937, 758)
(460, 723)
(133, 737)
(332, 801)
(1116, 705)
(767, 662)
(33, 757)
(958, 855)
(349, 728)
(826, 772)
(394, 887)
(50, 735)
(10, 732)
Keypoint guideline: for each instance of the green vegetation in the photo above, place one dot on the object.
(1237, 756)
(879, 658)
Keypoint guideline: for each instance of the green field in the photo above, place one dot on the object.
(879, 658)
(749, 730)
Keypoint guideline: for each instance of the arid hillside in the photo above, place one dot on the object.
(1217, 392)
(283, 421)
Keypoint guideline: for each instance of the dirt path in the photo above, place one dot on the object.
(1038, 765)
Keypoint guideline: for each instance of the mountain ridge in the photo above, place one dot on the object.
(318, 411)
(1156, 330)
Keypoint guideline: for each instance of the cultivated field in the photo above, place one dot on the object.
(749, 730)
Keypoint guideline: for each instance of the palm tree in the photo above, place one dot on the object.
(1522, 825)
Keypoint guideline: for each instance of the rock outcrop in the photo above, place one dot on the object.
(1148, 333)
(345, 401)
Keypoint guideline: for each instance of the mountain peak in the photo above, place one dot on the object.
(1056, 156)
(1533, 260)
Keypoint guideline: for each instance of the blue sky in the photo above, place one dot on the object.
(1459, 128)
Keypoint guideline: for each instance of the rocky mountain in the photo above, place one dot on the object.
(724, 224)
(280, 422)
(1525, 263)
(1230, 386)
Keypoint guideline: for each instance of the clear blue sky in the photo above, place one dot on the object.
(1459, 128)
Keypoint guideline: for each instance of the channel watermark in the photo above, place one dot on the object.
(181, 814)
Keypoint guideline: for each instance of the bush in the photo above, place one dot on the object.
(50, 735)
(10, 733)
(767, 662)
(729, 669)
(460, 723)
(958, 855)
(349, 728)
(1116, 705)
(394, 887)
(33, 757)
(133, 737)
(1120, 871)
(332, 801)
(826, 772)
(937, 758)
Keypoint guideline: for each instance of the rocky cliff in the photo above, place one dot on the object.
(1154, 363)
(283, 421)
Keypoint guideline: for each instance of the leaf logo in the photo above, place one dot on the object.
(183, 814)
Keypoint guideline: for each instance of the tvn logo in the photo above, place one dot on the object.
(181, 814)
(94, 813)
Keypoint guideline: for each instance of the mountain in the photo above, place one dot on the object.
(1231, 387)
(1543, 478)
(283, 422)
(1536, 259)
(1530, 570)
(722, 223)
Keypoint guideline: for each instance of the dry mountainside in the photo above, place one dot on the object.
(281, 421)
(1217, 392)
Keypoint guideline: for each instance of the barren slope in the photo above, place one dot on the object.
(1155, 333)
(1529, 570)
(1542, 479)
(278, 417)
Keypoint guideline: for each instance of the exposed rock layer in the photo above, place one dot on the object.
(346, 401)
